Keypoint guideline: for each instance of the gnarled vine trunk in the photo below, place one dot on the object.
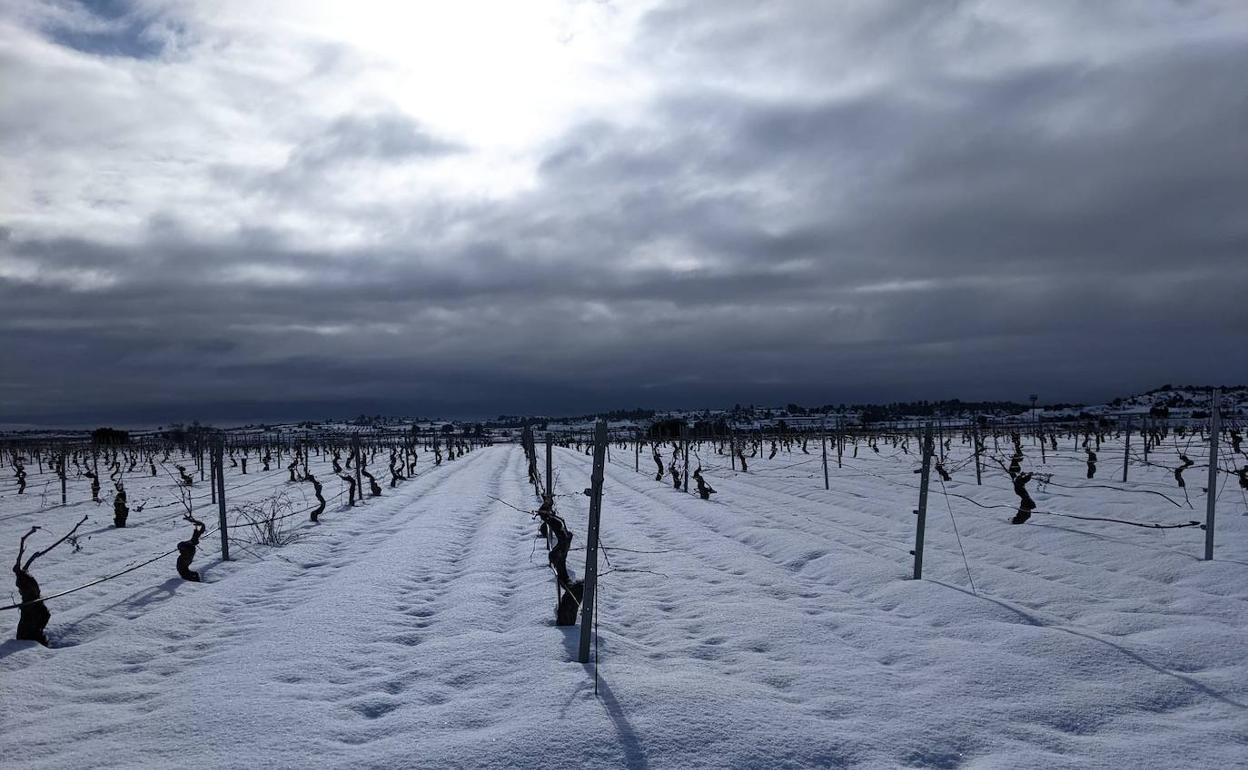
(1025, 504)
(186, 550)
(33, 614)
(316, 489)
(704, 490)
(120, 510)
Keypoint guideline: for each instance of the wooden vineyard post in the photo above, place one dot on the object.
(219, 469)
(550, 464)
(62, 473)
(1211, 497)
(732, 448)
(591, 540)
(1126, 449)
(212, 475)
(637, 450)
(925, 473)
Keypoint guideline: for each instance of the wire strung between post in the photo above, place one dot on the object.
(152, 560)
(1144, 525)
(958, 536)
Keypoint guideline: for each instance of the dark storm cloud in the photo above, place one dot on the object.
(113, 28)
(350, 143)
(380, 138)
(1071, 225)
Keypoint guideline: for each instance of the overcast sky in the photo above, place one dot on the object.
(240, 210)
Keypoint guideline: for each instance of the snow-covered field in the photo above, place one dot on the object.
(773, 626)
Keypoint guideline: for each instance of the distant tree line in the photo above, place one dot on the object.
(110, 436)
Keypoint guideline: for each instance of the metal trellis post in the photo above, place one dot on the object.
(922, 509)
(823, 442)
(591, 540)
(1211, 501)
(684, 451)
(1126, 449)
(359, 477)
(550, 473)
(219, 450)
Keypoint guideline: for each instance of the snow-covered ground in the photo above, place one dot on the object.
(773, 626)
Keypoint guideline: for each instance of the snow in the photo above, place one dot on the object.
(773, 626)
